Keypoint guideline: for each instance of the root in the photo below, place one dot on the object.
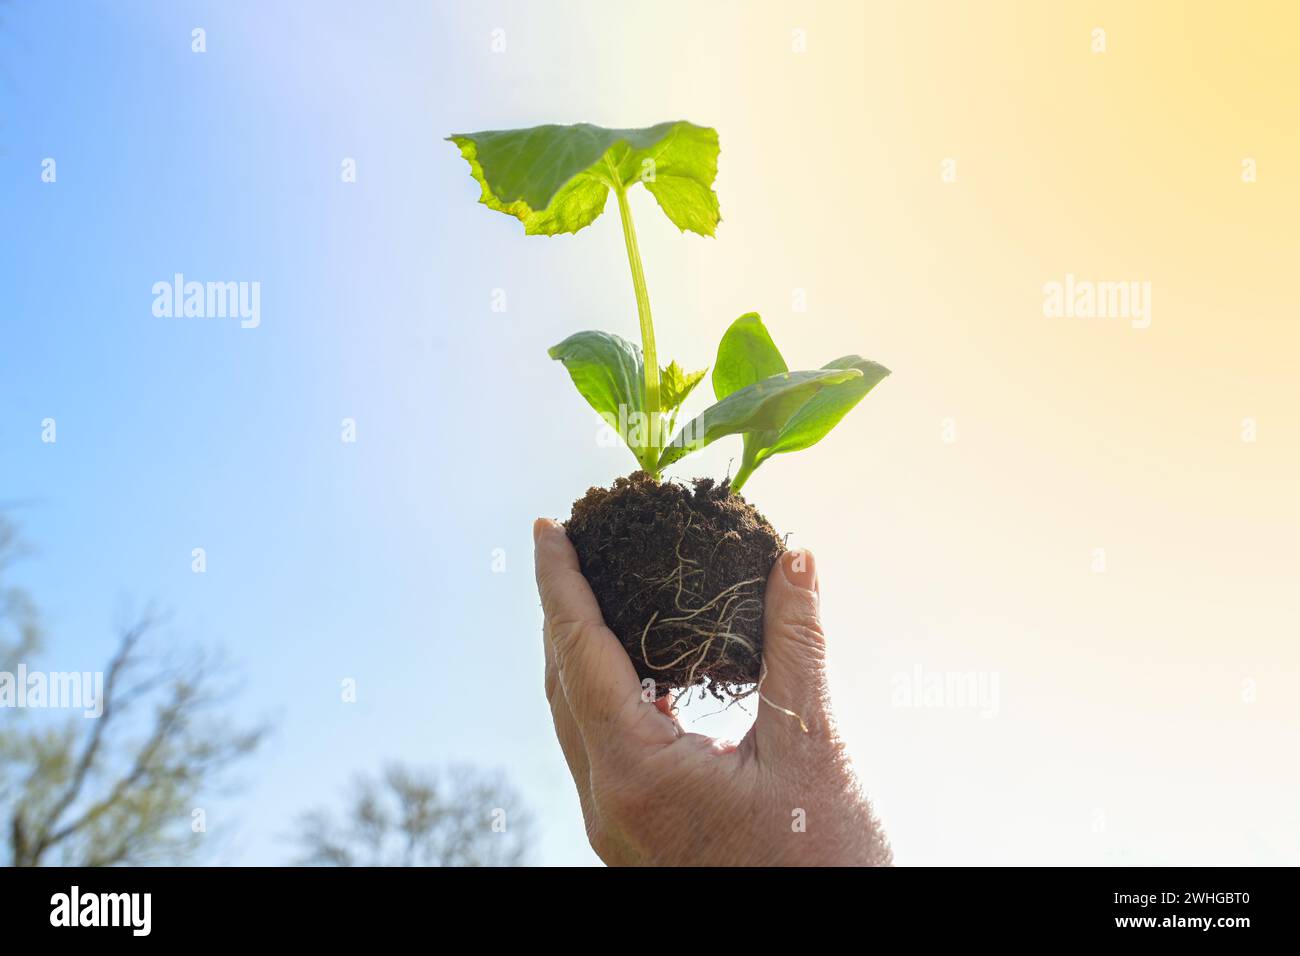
(764, 699)
(696, 638)
(680, 572)
(703, 631)
(729, 536)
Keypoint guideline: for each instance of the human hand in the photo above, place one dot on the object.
(653, 794)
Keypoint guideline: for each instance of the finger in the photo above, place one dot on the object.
(793, 704)
(568, 734)
(665, 706)
(566, 728)
(595, 674)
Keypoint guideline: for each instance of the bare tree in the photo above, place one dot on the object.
(117, 788)
(456, 817)
(20, 627)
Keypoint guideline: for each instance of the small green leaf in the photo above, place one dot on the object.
(675, 385)
(765, 405)
(746, 354)
(824, 410)
(607, 370)
(556, 179)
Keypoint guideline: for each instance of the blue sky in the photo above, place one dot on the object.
(326, 560)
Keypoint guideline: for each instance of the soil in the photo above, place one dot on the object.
(679, 573)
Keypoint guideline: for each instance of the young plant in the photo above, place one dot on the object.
(679, 573)
(557, 179)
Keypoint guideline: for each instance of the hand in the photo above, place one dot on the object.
(652, 793)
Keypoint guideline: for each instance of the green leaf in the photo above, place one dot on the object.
(824, 410)
(556, 179)
(607, 370)
(746, 354)
(675, 385)
(765, 405)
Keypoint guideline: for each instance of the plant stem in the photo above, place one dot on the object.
(651, 360)
(742, 475)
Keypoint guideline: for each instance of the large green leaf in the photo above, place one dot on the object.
(608, 371)
(824, 410)
(556, 179)
(765, 405)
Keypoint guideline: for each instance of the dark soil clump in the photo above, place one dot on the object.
(680, 576)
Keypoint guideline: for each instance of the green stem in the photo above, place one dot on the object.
(651, 360)
(742, 476)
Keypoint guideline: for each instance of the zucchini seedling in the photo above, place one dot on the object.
(679, 573)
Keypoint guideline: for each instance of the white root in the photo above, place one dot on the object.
(704, 630)
(764, 699)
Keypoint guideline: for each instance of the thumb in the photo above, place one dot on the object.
(593, 671)
(794, 696)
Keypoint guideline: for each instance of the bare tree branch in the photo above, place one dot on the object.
(96, 792)
(93, 742)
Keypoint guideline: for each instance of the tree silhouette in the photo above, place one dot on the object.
(459, 816)
(117, 788)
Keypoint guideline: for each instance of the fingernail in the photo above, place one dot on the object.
(539, 526)
(800, 569)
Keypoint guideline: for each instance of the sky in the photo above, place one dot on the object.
(1094, 519)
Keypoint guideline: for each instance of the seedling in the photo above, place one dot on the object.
(679, 575)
